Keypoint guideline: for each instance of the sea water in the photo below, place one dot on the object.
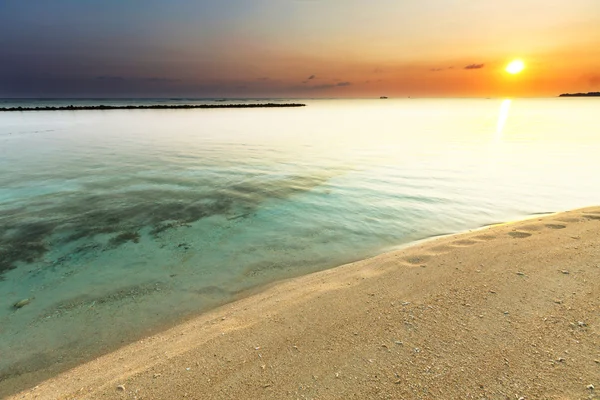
(117, 223)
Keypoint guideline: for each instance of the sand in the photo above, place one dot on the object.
(508, 312)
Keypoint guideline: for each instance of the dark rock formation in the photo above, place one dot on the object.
(152, 107)
(588, 94)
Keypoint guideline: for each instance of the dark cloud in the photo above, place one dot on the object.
(474, 66)
(309, 79)
(442, 69)
(329, 86)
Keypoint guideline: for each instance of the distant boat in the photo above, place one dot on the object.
(383, 97)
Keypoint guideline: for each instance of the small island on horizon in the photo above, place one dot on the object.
(588, 94)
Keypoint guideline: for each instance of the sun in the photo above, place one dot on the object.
(515, 67)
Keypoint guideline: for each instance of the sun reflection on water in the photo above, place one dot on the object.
(502, 117)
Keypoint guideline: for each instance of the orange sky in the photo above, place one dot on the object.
(300, 48)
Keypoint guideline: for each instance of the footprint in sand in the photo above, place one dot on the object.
(485, 237)
(441, 249)
(463, 243)
(417, 260)
(568, 219)
(556, 226)
(533, 228)
(592, 216)
(519, 235)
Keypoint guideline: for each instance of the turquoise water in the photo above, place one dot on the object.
(117, 223)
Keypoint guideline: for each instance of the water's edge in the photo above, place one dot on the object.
(13, 384)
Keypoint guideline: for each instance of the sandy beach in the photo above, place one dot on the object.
(507, 312)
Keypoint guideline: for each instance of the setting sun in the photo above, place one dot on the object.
(515, 66)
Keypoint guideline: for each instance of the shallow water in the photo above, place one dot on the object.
(116, 223)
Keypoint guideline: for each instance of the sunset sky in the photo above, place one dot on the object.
(297, 48)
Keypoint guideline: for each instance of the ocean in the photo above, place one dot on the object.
(115, 224)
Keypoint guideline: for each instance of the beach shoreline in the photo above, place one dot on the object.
(449, 317)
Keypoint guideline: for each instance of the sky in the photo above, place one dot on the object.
(297, 48)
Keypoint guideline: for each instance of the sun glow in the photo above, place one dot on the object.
(515, 67)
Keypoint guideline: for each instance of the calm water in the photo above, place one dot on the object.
(116, 223)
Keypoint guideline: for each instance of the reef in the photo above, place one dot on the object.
(124, 238)
(588, 94)
(96, 222)
(152, 107)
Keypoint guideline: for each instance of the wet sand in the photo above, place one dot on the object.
(507, 312)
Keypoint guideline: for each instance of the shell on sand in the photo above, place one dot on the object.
(22, 303)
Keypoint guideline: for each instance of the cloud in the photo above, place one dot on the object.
(322, 87)
(442, 69)
(326, 86)
(474, 66)
(330, 85)
(309, 78)
(594, 81)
